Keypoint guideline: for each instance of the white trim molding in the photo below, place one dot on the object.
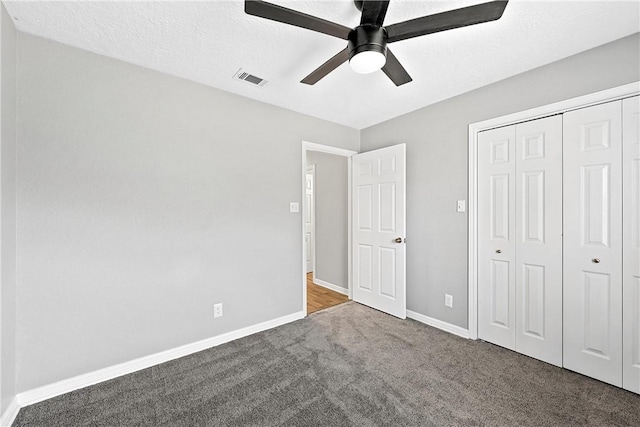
(312, 146)
(311, 168)
(561, 107)
(331, 286)
(65, 386)
(439, 324)
(9, 415)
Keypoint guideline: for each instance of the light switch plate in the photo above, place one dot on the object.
(294, 207)
(462, 206)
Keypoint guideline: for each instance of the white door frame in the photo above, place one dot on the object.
(311, 146)
(311, 169)
(612, 94)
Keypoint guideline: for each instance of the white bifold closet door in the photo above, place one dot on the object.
(592, 242)
(496, 236)
(631, 244)
(520, 238)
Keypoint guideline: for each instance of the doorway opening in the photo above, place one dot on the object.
(326, 226)
(319, 297)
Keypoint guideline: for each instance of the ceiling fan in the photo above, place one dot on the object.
(367, 49)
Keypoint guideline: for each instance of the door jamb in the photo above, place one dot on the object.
(311, 169)
(607, 95)
(311, 146)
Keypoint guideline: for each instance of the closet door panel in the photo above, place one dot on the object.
(631, 243)
(538, 221)
(496, 236)
(592, 222)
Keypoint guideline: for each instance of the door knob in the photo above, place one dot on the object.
(498, 251)
(596, 260)
(398, 240)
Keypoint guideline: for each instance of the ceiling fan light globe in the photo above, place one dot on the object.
(367, 62)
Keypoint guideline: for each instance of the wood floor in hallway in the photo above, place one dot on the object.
(319, 297)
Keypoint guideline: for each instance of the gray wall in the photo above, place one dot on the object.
(437, 152)
(143, 200)
(7, 210)
(331, 217)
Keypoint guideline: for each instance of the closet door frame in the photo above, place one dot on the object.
(612, 94)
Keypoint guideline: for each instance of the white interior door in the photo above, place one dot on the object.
(496, 236)
(378, 179)
(631, 244)
(592, 242)
(538, 222)
(309, 210)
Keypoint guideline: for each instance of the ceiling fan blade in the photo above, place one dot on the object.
(449, 20)
(333, 63)
(373, 12)
(395, 71)
(295, 18)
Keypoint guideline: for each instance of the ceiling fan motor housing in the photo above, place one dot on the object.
(365, 38)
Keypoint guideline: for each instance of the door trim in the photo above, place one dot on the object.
(607, 95)
(311, 169)
(312, 146)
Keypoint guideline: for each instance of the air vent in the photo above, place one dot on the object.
(249, 78)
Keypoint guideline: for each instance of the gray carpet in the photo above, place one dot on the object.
(348, 365)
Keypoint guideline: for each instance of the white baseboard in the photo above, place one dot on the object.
(10, 414)
(65, 386)
(447, 327)
(331, 286)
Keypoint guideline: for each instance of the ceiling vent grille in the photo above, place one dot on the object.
(249, 78)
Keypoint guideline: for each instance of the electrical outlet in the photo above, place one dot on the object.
(217, 310)
(461, 206)
(448, 300)
(294, 207)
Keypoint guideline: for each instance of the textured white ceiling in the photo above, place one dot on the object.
(208, 41)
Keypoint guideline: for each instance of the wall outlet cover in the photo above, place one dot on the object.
(217, 310)
(448, 300)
